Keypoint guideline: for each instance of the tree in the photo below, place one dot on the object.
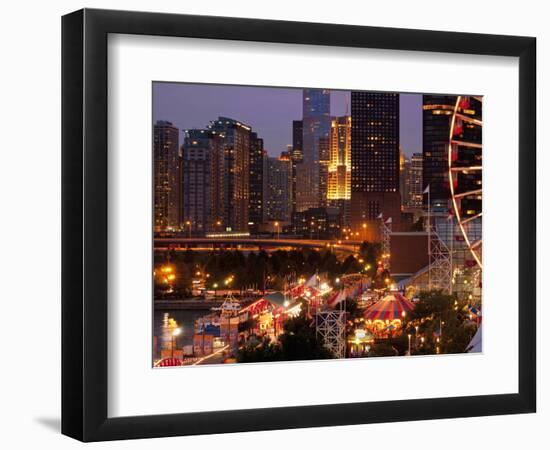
(265, 351)
(432, 303)
(442, 322)
(371, 252)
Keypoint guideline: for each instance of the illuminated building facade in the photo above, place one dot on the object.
(296, 155)
(339, 168)
(166, 159)
(311, 174)
(278, 188)
(415, 181)
(236, 180)
(256, 182)
(411, 182)
(374, 157)
(201, 154)
(317, 223)
(437, 111)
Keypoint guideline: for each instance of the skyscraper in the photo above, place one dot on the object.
(279, 188)
(437, 111)
(236, 172)
(296, 155)
(166, 187)
(200, 154)
(404, 179)
(374, 157)
(256, 183)
(411, 178)
(311, 180)
(339, 168)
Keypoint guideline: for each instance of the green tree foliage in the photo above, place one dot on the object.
(261, 269)
(442, 321)
(300, 341)
(371, 252)
(264, 351)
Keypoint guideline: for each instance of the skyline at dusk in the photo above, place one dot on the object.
(288, 226)
(194, 105)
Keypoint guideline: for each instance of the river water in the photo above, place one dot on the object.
(184, 319)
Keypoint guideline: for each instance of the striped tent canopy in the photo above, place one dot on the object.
(390, 308)
(168, 362)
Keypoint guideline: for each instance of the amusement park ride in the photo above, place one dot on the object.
(465, 161)
(455, 262)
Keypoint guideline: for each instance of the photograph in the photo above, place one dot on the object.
(304, 223)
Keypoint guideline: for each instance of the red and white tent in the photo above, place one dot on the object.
(391, 307)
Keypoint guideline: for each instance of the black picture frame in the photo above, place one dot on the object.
(84, 224)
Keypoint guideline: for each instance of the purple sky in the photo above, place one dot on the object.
(269, 111)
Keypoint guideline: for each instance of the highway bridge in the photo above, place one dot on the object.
(252, 242)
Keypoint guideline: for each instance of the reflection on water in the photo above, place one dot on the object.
(166, 321)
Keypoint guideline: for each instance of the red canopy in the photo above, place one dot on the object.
(391, 307)
(169, 362)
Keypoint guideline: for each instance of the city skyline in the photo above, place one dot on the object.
(335, 243)
(205, 102)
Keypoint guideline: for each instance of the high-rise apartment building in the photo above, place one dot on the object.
(256, 182)
(201, 153)
(415, 185)
(411, 181)
(296, 155)
(279, 188)
(236, 172)
(374, 157)
(166, 195)
(312, 172)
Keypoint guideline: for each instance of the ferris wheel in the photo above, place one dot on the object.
(465, 170)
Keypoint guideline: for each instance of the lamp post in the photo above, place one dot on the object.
(409, 336)
(278, 230)
(188, 223)
(176, 332)
(364, 231)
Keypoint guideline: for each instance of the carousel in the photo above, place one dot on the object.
(387, 314)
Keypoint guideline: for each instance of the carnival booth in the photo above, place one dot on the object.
(387, 314)
(269, 313)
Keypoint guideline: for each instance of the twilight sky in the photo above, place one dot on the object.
(269, 111)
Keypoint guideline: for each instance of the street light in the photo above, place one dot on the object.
(364, 231)
(409, 336)
(176, 332)
(278, 230)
